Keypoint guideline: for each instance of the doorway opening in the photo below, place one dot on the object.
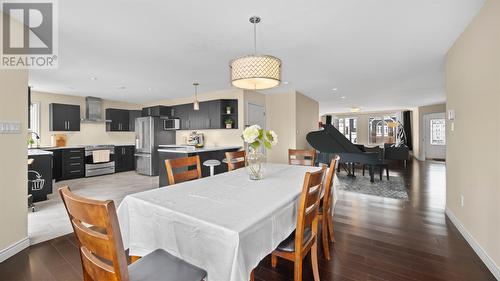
(434, 137)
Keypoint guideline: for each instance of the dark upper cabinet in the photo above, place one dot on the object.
(64, 117)
(124, 158)
(214, 114)
(158, 111)
(211, 115)
(118, 120)
(133, 114)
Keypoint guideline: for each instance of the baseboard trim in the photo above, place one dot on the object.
(14, 249)
(487, 260)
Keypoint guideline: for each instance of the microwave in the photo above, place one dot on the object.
(171, 124)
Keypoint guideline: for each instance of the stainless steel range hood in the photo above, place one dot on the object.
(93, 110)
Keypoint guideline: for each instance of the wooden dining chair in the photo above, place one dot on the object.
(301, 157)
(303, 240)
(183, 163)
(325, 215)
(235, 160)
(103, 257)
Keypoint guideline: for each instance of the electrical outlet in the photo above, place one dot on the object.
(461, 200)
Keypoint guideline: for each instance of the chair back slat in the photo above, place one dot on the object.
(307, 216)
(235, 160)
(327, 186)
(98, 234)
(183, 163)
(301, 157)
(97, 269)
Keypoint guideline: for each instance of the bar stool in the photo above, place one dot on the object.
(211, 163)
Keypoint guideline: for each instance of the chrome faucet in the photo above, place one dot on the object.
(37, 138)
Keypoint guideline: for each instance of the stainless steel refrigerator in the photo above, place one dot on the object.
(149, 135)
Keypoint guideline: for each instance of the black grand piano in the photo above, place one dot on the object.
(330, 142)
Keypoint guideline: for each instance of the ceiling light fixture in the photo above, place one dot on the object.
(343, 97)
(93, 78)
(255, 72)
(196, 103)
(335, 89)
(355, 109)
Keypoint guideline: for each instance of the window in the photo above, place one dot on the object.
(348, 127)
(35, 117)
(438, 132)
(380, 131)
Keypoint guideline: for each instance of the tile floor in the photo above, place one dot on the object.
(50, 219)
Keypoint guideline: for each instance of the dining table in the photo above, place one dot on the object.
(225, 224)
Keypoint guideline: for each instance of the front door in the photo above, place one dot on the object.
(435, 136)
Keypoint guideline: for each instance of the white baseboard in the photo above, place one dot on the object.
(14, 249)
(487, 260)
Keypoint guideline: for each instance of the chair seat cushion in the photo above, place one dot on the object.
(288, 245)
(162, 266)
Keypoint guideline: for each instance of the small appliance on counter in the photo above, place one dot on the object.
(196, 139)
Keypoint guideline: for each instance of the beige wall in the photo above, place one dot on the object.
(418, 125)
(213, 137)
(90, 133)
(291, 115)
(13, 163)
(306, 119)
(280, 117)
(472, 164)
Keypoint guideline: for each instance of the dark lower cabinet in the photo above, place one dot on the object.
(73, 163)
(68, 163)
(205, 171)
(124, 158)
(40, 177)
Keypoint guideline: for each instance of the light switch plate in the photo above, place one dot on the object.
(10, 127)
(451, 114)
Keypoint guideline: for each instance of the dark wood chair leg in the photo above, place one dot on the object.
(387, 172)
(372, 174)
(364, 167)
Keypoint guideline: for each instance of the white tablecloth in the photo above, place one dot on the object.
(225, 224)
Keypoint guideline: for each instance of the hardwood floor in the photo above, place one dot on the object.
(377, 239)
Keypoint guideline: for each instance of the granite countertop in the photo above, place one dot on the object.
(192, 149)
(35, 152)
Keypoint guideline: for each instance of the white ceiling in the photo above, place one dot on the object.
(380, 54)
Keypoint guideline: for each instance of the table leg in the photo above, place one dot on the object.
(387, 172)
(380, 172)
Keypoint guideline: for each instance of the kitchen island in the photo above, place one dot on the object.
(39, 174)
(205, 153)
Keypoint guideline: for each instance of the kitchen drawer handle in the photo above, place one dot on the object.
(76, 171)
(75, 157)
(75, 164)
(75, 151)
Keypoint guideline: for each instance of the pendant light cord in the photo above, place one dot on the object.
(255, 38)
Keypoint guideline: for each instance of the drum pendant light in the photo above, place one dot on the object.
(255, 72)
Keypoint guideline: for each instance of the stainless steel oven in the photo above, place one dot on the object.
(96, 167)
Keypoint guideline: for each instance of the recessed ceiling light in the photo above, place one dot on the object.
(285, 82)
(150, 89)
(343, 97)
(121, 88)
(355, 109)
(93, 78)
(335, 89)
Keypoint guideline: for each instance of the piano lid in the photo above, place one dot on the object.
(330, 140)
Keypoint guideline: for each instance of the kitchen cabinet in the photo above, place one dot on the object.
(73, 163)
(64, 117)
(40, 177)
(118, 120)
(158, 111)
(124, 158)
(211, 115)
(133, 114)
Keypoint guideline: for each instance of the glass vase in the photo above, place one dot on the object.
(255, 165)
